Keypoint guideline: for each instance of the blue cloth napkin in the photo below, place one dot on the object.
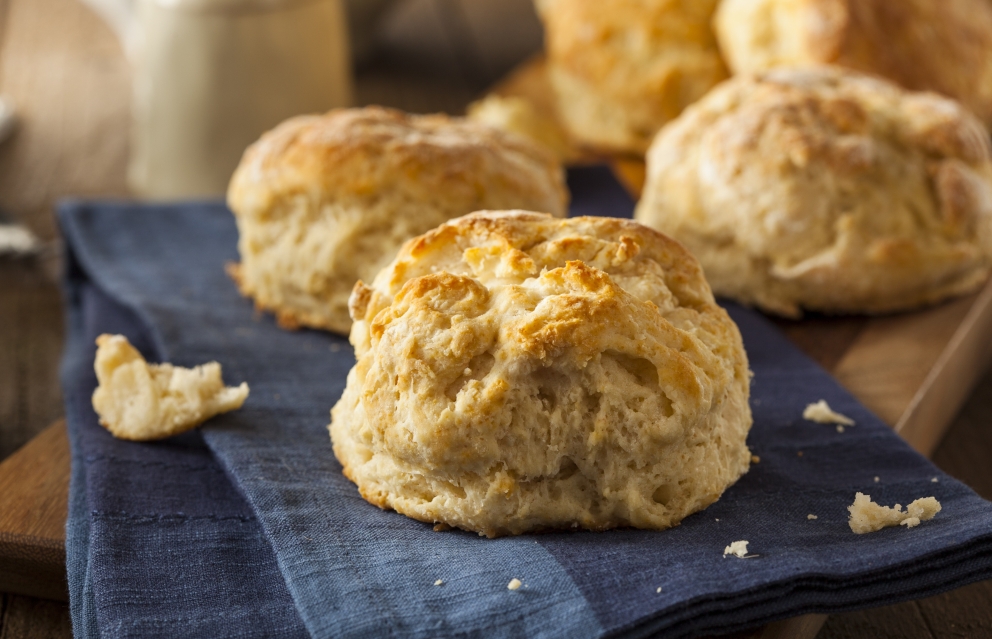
(249, 529)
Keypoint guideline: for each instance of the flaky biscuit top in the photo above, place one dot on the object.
(518, 372)
(356, 153)
(829, 179)
(323, 201)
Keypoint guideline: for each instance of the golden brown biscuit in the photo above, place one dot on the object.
(516, 372)
(923, 45)
(623, 68)
(826, 189)
(519, 115)
(322, 201)
(141, 401)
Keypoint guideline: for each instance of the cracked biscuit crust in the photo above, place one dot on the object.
(826, 190)
(517, 373)
(322, 201)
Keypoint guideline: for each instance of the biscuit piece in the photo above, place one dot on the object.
(867, 516)
(323, 201)
(923, 45)
(825, 189)
(623, 68)
(140, 401)
(821, 413)
(516, 372)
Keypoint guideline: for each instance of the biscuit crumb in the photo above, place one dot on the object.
(840, 429)
(140, 401)
(737, 549)
(659, 589)
(867, 516)
(755, 459)
(441, 527)
(514, 584)
(934, 480)
(876, 479)
(811, 517)
(821, 413)
(439, 582)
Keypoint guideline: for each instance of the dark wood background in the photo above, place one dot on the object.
(64, 71)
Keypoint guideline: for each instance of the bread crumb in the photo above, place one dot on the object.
(439, 582)
(737, 549)
(876, 479)
(140, 401)
(755, 459)
(821, 413)
(934, 480)
(867, 516)
(514, 584)
(811, 517)
(441, 527)
(840, 429)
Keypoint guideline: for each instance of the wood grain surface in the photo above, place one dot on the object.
(30, 342)
(34, 491)
(62, 68)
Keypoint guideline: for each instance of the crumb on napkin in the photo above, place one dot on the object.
(140, 401)
(738, 549)
(811, 516)
(439, 582)
(821, 413)
(867, 516)
(514, 584)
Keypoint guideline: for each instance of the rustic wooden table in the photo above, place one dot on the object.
(65, 72)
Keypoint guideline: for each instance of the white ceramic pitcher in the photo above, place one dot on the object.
(210, 76)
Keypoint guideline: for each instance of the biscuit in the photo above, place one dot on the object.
(519, 115)
(828, 190)
(323, 201)
(517, 373)
(622, 69)
(923, 45)
(141, 401)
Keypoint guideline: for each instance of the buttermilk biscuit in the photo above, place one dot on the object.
(621, 69)
(141, 401)
(521, 116)
(825, 189)
(943, 46)
(516, 372)
(322, 201)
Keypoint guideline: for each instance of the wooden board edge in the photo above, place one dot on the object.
(951, 380)
(802, 627)
(32, 557)
(33, 566)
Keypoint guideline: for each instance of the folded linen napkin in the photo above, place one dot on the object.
(157, 537)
